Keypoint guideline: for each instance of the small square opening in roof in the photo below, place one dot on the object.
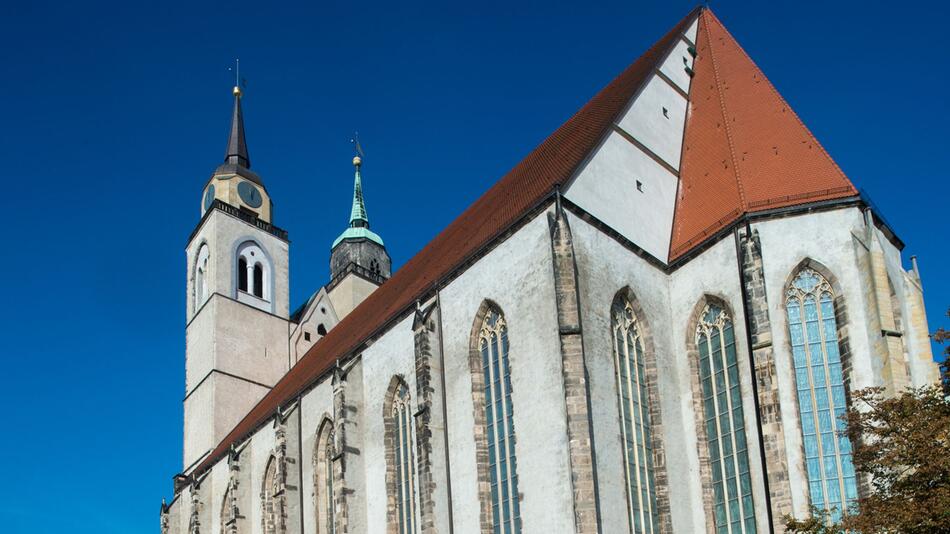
(639, 186)
(666, 113)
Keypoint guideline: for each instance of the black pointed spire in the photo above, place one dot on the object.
(237, 145)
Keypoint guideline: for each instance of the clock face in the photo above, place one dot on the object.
(250, 195)
(209, 197)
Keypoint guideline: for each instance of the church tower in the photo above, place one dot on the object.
(359, 262)
(237, 299)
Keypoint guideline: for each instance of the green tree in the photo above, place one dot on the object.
(902, 444)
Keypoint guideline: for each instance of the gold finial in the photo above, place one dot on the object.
(357, 161)
(237, 77)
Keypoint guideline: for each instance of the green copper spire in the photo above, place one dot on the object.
(359, 221)
(358, 216)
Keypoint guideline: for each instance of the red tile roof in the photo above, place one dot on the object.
(744, 149)
(714, 191)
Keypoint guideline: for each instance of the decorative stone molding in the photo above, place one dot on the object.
(763, 360)
(163, 517)
(340, 492)
(576, 388)
(389, 444)
(424, 330)
(194, 522)
(480, 428)
(230, 510)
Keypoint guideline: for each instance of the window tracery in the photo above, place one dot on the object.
(724, 423)
(813, 332)
(633, 398)
(493, 348)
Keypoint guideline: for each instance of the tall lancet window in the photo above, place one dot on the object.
(269, 498)
(403, 461)
(634, 418)
(724, 423)
(325, 452)
(809, 300)
(493, 348)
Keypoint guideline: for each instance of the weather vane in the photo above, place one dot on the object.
(356, 144)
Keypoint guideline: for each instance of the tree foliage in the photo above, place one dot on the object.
(902, 449)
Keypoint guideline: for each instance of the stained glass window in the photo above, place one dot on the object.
(725, 427)
(634, 419)
(493, 347)
(819, 381)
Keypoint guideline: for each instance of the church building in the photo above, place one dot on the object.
(651, 324)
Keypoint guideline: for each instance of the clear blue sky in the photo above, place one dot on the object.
(113, 116)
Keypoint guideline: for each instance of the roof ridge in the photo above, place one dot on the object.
(778, 95)
(725, 114)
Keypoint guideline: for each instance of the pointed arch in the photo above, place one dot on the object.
(399, 440)
(494, 422)
(270, 499)
(639, 415)
(324, 479)
(228, 512)
(818, 345)
(722, 440)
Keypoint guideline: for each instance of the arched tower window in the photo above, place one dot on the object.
(493, 373)
(258, 280)
(242, 274)
(401, 459)
(202, 261)
(813, 331)
(724, 423)
(253, 272)
(323, 479)
(635, 425)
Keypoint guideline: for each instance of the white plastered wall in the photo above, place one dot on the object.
(391, 355)
(650, 145)
(604, 268)
(714, 272)
(525, 295)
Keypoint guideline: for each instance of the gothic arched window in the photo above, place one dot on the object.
(400, 439)
(270, 500)
(724, 423)
(633, 397)
(813, 331)
(323, 479)
(201, 276)
(492, 346)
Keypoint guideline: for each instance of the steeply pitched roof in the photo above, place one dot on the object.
(236, 152)
(528, 183)
(744, 151)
